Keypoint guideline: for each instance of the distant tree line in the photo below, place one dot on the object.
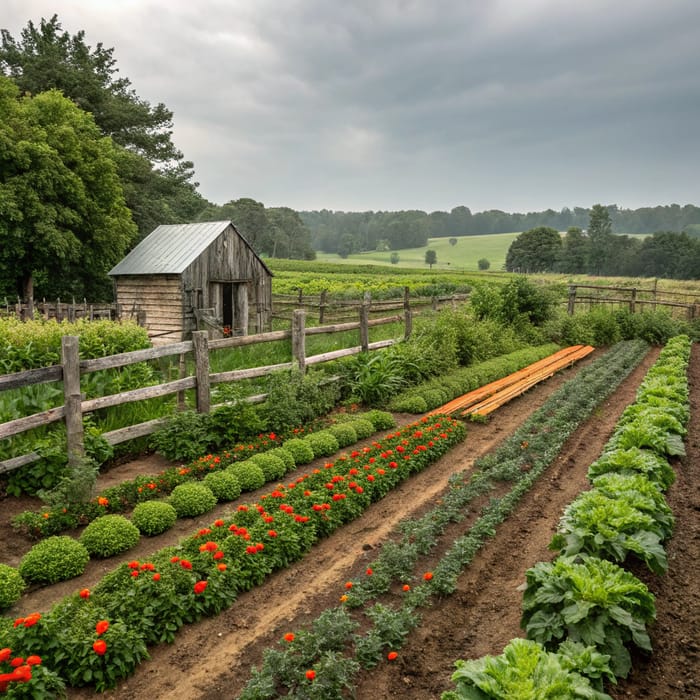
(346, 233)
(598, 251)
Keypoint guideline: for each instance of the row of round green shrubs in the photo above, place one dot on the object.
(59, 558)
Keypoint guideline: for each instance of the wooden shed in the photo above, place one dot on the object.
(185, 277)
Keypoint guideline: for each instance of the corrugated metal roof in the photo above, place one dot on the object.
(170, 249)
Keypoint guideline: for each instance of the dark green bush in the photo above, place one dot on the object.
(249, 474)
(12, 585)
(409, 403)
(109, 535)
(233, 422)
(192, 499)
(54, 559)
(186, 436)
(154, 517)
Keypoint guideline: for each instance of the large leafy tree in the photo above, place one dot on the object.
(600, 236)
(158, 181)
(536, 250)
(63, 219)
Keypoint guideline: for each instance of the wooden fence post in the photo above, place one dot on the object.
(200, 346)
(633, 299)
(299, 339)
(408, 314)
(70, 358)
(322, 307)
(364, 327)
(572, 300)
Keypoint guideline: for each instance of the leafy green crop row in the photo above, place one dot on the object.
(581, 597)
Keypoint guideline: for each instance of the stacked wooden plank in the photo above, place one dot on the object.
(489, 397)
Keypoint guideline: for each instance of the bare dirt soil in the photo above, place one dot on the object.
(212, 659)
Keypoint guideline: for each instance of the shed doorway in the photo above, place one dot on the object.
(233, 305)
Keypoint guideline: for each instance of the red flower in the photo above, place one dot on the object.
(33, 660)
(392, 656)
(32, 619)
(348, 585)
(5, 654)
(406, 587)
(186, 564)
(133, 565)
(100, 647)
(85, 593)
(289, 637)
(221, 567)
(310, 674)
(156, 577)
(218, 555)
(218, 523)
(18, 661)
(272, 533)
(200, 587)
(369, 572)
(101, 627)
(174, 560)
(134, 573)
(428, 575)
(102, 501)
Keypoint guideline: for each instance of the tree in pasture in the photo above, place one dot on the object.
(536, 250)
(453, 241)
(394, 258)
(484, 264)
(430, 257)
(64, 221)
(574, 252)
(600, 237)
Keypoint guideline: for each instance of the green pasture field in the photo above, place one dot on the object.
(465, 255)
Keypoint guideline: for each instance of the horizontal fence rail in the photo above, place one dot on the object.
(199, 348)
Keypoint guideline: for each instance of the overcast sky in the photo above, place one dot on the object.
(518, 105)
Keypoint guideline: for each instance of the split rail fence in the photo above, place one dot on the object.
(199, 348)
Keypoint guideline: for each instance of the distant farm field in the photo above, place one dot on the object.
(465, 255)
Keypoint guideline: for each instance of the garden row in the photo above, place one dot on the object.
(96, 637)
(583, 612)
(325, 660)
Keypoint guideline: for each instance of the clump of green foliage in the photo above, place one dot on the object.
(54, 559)
(224, 485)
(192, 499)
(249, 474)
(300, 450)
(12, 585)
(154, 517)
(322, 443)
(109, 535)
(272, 466)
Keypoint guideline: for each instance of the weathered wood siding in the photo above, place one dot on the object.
(230, 259)
(161, 298)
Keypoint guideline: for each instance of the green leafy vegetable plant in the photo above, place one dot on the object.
(109, 535)
(154, 517)
(192, 499)
(54, 559)
(12, 585)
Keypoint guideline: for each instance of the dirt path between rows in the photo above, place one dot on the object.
(212, 659)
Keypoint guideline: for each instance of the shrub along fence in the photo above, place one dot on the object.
(72, 368)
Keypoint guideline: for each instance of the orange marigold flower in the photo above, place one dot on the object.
(289, 637)
(392, 656)
(221, 567)
(100, 647)
(406, 587)
(428, 575)
(272, 533)
(85, 593)
(343, 598)
(310, 674)
(219, 523)
(101, 627)
(102, 501)
(348, 585)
